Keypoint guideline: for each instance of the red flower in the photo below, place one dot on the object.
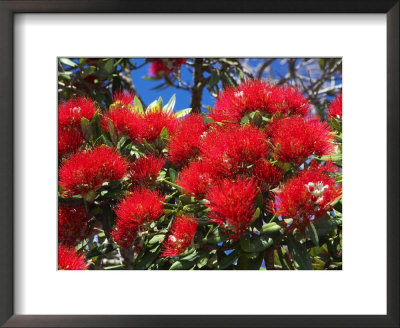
(86, 171)
(154, 121)
(196, 179)
(231, 150)
(72, 224)
(296, 138)
(141, 207)
(159, 67)
(123, 97)
(71, 112)
(145, 170)
(184, 143)
(68, 259)
(69, 140)
(335, 108)
(126, 122)
(233, 103)
(232, 205)
(182, 234)
(266, 174)
(307, 196)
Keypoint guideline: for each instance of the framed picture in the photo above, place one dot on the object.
(193, 156)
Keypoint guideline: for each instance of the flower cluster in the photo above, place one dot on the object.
(182, 234)
(307, 196)
(335, 108)
(73, 224)
(252, 95)
(84, 172)
(296, 138)
(164, 66)
(140, 207)
(145, 170)
(127, 120)
(232, 205)
(70, 114)
(68, 259)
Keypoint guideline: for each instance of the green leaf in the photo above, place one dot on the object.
(157, 239)
(86, 128)
(100, 250)
(144, 262)
(228, 260)
(299, 254)
(214, 79)
(312, 232)
(216, 237)
(69, 62)
(183, 112)
(255, 262)
(270, 228)
(114, 267)
(109, 66)
(169, 107)
(255, 244)
(182, 265)
(138, 105)
(229, 80)
(325, 225)
(333, 158)
(112, 131)
(173, 174)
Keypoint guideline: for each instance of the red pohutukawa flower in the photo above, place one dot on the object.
(335, 108)
(159, 67)
(231, 150)
(182, 234)
(125, 121)
(123, 97)
(72, 224)
(296, 138)
(307, 196)
(68, 259)
(72, 111)
(233, 103)
(145, 170)
(266, 174)
(151, 125)
(141, 207)
(86, 171)
(232, 205)
(70, 114)
(184, 143)
(196, 179)
(69, 140)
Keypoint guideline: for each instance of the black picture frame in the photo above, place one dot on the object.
(8, 201)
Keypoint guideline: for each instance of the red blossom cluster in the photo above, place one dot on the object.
(73, 224)
(232, 204)
(142, 206)
(296, 138)
(182, 234)
(335, 108)
(252, 95)
(307, 196)
(164, 66)
(128, 121)
(84, 172)
(69, 259)
(70, 114)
